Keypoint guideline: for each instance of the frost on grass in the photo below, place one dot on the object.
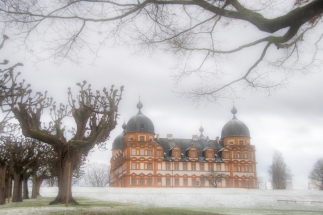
(204, 199)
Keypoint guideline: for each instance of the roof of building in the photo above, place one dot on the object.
(186, 144)
(119, 141)
(235, 127)
(139, 122)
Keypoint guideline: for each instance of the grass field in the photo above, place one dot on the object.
(97, 207)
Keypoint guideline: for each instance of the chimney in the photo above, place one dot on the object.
(217, 139)
(169, 136)
(157, 136)
(195, 137)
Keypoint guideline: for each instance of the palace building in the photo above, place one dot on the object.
(142, 159)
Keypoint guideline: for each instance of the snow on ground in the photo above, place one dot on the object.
(201, 197)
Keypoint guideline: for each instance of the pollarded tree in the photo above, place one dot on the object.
(279, 172)
(279, 38)
(8, 87)
(94, 114)
(19, 157)
(316, 175)
(8, 131)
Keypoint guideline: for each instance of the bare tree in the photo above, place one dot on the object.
(261, 183)
(9, 130)
(214, 178)
(23, 158)
(45, 167)
(279, 172)
(316, 175)
(97, 175)
(203, 35)
(8, 87)
(94, 114)
(4, 157)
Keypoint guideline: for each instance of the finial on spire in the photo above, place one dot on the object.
(201, 129)
(234, 110)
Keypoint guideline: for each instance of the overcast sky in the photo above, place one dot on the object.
(289, 120)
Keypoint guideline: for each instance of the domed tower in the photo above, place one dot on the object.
(235, 132)
(139, 127)
(119, 141)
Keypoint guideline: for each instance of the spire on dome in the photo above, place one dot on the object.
(201, 130)
(234, 111)
(235, 127)
(124, 126)
(139, 105)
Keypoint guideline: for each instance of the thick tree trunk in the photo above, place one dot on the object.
(37, 181)
(9, 188)
(65, 173)
(17, 189)
(2, 184)
(34, 189)
(26, 192)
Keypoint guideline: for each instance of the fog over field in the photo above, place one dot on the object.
(222, 201)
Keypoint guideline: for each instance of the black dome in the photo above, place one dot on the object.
(118, 143)
(235, 127)
(140, 123)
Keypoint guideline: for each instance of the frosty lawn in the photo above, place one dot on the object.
(148, 201)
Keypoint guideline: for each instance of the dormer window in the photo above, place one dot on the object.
(241, 142)
(192, 154)
(142, 127)
(141, 138)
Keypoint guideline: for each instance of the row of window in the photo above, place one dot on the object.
(168, 182)
(141, 138)
(149, 152)
(176, 166)
(195, 182)
(142, 152)
(241, 142)
(242, 169)
(243, 183)
(238, 155)
(191, 154)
